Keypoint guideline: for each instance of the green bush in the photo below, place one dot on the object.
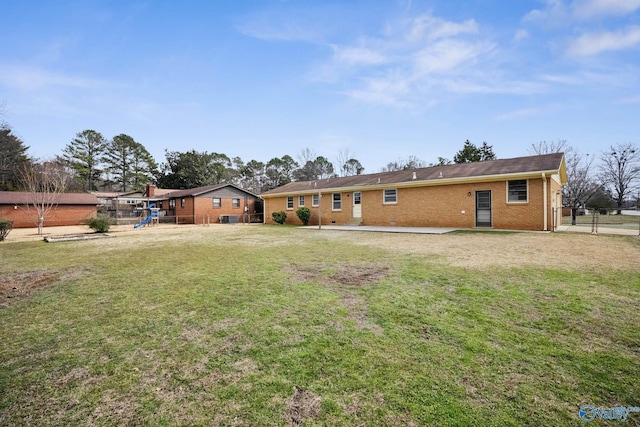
(304, 214)
(279, 217)
(5, 228)
(100, 224)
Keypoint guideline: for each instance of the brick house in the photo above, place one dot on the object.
(224, 203)
(71, 209)
(522, 193)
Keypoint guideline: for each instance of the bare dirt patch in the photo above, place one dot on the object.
(302, 405)
(341, 274)
(15, 286)
(18, 285)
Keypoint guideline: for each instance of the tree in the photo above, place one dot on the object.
(13, 159)
(279, 171)
(129, 164)
(412, 162)
(144, 168)
(319, 168)
(193, 169)
(580, 184)
(252, 176)
(348, 165)
(84, 154)
(352, 167)
(620, 171)
(44, 182)
(548, 147)
(471, 153)
(442, 161)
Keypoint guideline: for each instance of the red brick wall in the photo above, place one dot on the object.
(438, 206)
(61, 215)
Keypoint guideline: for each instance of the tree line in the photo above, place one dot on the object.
(90, 162)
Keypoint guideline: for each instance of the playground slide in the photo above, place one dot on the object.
(147, 219)
(145, 222)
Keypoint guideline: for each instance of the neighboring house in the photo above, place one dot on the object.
(71, 209)
(521, 194)
(213, 203)
(223, 203)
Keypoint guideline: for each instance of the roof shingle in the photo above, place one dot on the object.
(552, 163)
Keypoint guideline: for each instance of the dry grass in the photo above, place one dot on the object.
(266, 325)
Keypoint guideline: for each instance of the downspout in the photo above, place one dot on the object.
(545, 202)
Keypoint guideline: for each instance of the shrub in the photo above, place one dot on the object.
(5, 227)
(304, 214)
(100, 224)
(279, 217)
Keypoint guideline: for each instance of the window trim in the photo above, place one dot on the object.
(333, 201)
(182, 203)
(315, 200)
(289, 199)
(235, 202)
(219, 206)
(526, 181)
(384, 196)
(300, 199)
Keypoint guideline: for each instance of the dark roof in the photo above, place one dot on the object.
(550, 163)
(202, 190)
(21, 198)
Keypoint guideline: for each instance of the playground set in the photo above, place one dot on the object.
(152, 216)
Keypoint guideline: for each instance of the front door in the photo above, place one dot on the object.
(357, 205)
(483, 208)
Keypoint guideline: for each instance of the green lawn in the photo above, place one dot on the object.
(610, 219)
(280, 326)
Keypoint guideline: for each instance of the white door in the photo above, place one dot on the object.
(357, 205)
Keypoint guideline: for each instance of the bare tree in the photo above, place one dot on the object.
(348, 164)
(44, 182)
(620, 171)
(581, 185)
(412, 162)
(548, 147)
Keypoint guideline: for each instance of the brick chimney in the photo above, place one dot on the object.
(151, 190)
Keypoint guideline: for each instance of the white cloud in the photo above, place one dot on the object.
(588, 9)
(427, 27)
(413, 62)
(358, 55)
(554, 14)
(450, 56)
(594, 43)
(557, 13)
(520, 35)
(517, 114)
(30, 78)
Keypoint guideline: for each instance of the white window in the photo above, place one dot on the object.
(290, 202)
(517, 191)
(300, 200)
(390, 196)
(217, 202)
(172, 204)
(235, 203)
(315, 200)
(337, 202)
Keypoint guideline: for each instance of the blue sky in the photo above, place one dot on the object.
(382, 79)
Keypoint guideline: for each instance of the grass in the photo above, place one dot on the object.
(611, 219)
(280, 326)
